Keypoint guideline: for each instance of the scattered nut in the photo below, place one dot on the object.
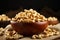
(1, 31)
(12, 34)
(47, 33)
(35, 36)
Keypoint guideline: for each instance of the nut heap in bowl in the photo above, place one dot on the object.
(53, 20)
(4, 20)
(29, 22)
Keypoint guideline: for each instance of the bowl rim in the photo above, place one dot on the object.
(29, 22)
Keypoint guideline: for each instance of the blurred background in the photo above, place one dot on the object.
(45, 7)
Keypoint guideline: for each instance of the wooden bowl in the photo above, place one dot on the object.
(29, 29)
(53, 22)
(4, 23)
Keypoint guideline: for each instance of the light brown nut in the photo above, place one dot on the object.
(31, 14)
(11, 34)
(35, 36)
(1, 31)
(3, 17)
